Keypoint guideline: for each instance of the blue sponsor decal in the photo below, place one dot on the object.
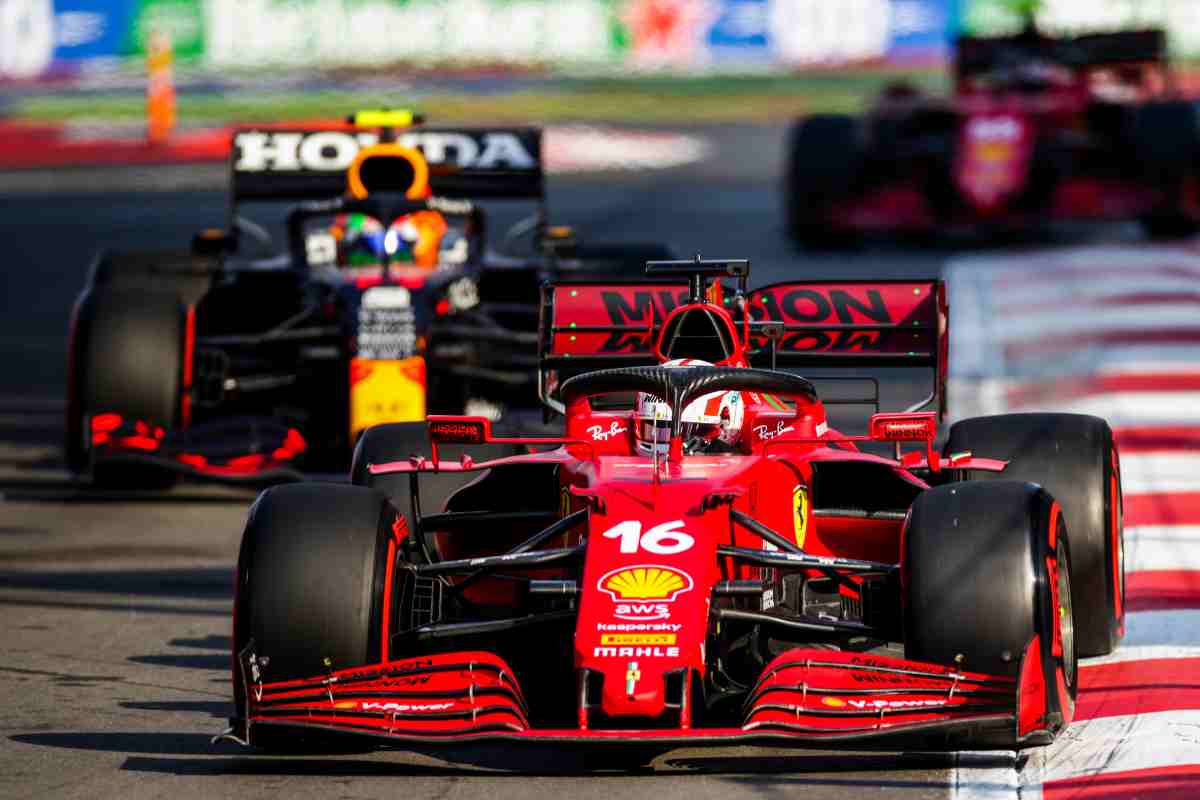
(922, 29)
(89, 29)
(740, 31)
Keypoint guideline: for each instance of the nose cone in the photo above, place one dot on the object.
(651, 565)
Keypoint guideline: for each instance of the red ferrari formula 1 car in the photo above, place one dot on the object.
(699, 558)
(1037, 128)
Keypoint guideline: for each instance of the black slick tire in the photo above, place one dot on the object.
(823, 160)
(1074, 458)
(983, 565)
(382, 444)
(310, 581)
(1165, 137)
(126, 357)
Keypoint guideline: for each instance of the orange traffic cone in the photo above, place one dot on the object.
(160, 88)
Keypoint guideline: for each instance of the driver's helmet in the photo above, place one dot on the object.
(1039, 74)
(360, 240)
(414, 238)
(711, 423)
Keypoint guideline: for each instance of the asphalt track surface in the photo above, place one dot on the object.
(114, 609)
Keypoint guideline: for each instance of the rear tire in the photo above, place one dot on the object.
(978, 583)
(381, 444)
(127, 357)
(823, 162)
(310, 581)
(178, 272)
(613, 259)
(1166, 145)
(399, 441)
(1074, 458)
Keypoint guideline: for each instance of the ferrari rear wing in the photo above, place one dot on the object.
(280, 163)
(793, 326)
(976, 55)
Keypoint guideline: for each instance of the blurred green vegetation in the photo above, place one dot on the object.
(645, 99)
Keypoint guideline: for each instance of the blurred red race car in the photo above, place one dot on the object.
(1037, 128)
(699, 558)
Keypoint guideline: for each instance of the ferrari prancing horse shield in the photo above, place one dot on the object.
(800, 513)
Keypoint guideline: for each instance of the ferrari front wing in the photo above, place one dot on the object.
(805, 698)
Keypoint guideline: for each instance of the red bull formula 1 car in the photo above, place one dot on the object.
(699, 558)
(1038, 128)
(386, 304)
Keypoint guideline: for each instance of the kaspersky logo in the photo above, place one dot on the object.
(644, 591)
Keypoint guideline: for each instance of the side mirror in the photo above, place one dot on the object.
(214, 242)
(558, 240)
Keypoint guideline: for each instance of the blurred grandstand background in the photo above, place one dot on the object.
(544, 60)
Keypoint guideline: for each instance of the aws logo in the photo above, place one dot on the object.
(645, 591)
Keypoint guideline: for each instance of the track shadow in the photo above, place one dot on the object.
(186, 661)
(22, 530)
(143, 743)
(61, 678)
(800, 763)
(798, 782)
(792, 770)
(503, 763)
(795, 771)
(212, 641)
(132, 589)
(218, 709)
(165, 752)
(207, 583)
(140, 608)
(218, 660)
(280, 767)
(57, 489)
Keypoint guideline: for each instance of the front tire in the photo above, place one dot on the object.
(986, 569)
(311, 580)
(1074, 458)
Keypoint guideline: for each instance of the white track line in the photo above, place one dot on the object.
(1145, 652)
(1117, 744)
(1031, 326)
(1006, 299)
(1162, 547)
(1145, 473)
(1098, 746)
(587, 148)
(1185, 363)
(1130, 409)
(1174, 628)
(985, 775)
(1087, 360)
(1078, 291)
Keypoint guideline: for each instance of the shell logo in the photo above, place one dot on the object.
(833, 702)
(645, 582)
